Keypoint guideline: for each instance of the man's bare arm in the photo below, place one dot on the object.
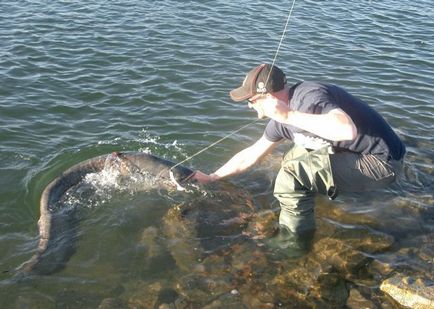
(240, 162)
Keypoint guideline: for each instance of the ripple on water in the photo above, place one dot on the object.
(80, 79)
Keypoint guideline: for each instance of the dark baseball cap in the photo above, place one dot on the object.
(256, 82)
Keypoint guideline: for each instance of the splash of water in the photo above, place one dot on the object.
(117, 177)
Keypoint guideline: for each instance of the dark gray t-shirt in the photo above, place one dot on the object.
(374, 135)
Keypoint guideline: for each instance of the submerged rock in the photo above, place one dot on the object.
(248, 261)
(203, 289)
(410, 292)
(111, 303)
(420, 249)
(325, 289)
(227, 301)
(142, 294)
(182, 241)
(198, 228)
(156, 256)
(263, 225)
(349, 250)
(356, 300)
(338, 254)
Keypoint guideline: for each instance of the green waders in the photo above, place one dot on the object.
(303, 173)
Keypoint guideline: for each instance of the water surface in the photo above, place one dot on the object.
(80, 79)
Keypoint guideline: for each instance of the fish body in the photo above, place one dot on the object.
(58, 225)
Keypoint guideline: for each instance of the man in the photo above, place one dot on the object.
(340, 144)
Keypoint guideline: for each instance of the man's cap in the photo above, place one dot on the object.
(256, 82)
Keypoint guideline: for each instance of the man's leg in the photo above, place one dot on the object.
(296, 203)
(358, 173)
(303, 174)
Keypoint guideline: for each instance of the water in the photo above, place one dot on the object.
(78, 80)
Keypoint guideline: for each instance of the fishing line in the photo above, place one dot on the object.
(172, 177)
(281, 40)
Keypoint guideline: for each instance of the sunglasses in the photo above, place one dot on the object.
(257, 97)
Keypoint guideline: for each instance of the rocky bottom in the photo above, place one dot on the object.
(214, 251)
(347, 266)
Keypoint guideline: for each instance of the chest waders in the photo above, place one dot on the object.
(303, 174)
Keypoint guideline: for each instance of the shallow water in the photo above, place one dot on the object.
(79, 80)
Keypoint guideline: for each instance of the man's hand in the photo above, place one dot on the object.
(204, 178)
